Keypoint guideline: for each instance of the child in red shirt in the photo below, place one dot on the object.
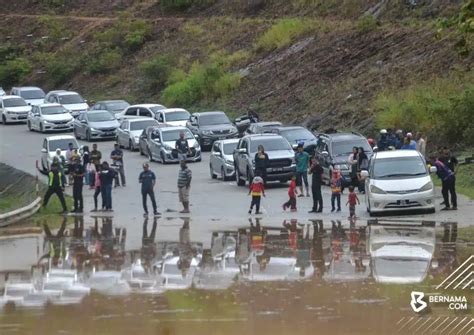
(352, 201)
(292, 194)
(257, 189)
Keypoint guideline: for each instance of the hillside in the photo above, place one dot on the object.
(324, 64)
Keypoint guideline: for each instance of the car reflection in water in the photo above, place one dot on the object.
(78, 259)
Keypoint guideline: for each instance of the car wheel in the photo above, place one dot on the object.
(88, 136)
(41, 128)
(239, 180)
(150, 157)
(4, 119)
(211, 172)
(130, 145)
(224, 177)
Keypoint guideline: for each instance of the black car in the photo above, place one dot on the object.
(210, 127)
(113, 106)
(297, 134)
(333, 150)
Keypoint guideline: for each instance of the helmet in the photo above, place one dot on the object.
(409, 135)
(383, 131)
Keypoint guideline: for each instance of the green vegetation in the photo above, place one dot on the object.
(59, 67)
(366, 23)
(441, 109)
(54, 3)
(282, 33)
(183, 4)
(104, 62)
(57, 28)
(157, 71)
(126, 33)
(14, 71)
(463, 24)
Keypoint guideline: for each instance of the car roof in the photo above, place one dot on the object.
(261, 136)
(49, 105)
(5, 97)
(97, 111)
(61, 137)
(342, 136)
(66, 93)
(146, 105)
(139, 118)
(396, 154)
(167, 110)
(173, 128)
(230, 140)
(109, 101)
(290, 127)
(209, 113)
(267, 123)
(56, 91)
(27, 88)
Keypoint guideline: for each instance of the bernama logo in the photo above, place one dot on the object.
(418, 302)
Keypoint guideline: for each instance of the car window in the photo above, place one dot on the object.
(397, 167)
(139, 125)
(32, 94)
(144, 112)
(294, 135)
(124, 125)
(51, 110)
(61, 144)
(45, 144)
(271, 144)
(342, 148)
(213, 119)
(71, 99)
(131, 111)
(177, 116)
(245, 145)
(14, 102)
(229, 148)
(173, 135)
(100, 117)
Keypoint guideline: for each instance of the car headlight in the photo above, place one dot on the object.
(196, 145)
(427, 187)
(47, 122)
(206, 132)
(93, 129)
(376, 190)
(167, 147)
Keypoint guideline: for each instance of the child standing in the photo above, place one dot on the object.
(352, 201)
(292, 194)
(336, 185)
(256, 189)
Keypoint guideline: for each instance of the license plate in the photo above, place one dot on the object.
(109, 134)
(22, 117)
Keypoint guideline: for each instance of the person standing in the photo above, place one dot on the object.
(292, 196)
(107, 175)
(86, 163)
(182, 147)
(256, 189)
(302, 164)
(184, 185)
(95, 156)
(77, 173)
(117, 161)
(55, 186)
(261, 163)
(336, 189)
(362, 165)
(148, 179)
(448, 180)
(353, 164)
(61, 161)
(382, 142)
(316, 171)
(97, 190)
(352, 201)
(420, 144)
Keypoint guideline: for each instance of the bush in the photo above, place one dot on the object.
(104, 62)
(366, 23)
(282, 34)
(59, 68)
(183, 4)
(157, 71)
(442, 110)
(14, 71)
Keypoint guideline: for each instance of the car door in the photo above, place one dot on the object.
(215, 155)
(243, 157)
(153, 140)
(122, 133)
(192, 124)
(82, 124)
(1, 107)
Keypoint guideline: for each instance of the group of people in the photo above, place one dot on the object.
(89, 169)
(394, 140)
(305, 164)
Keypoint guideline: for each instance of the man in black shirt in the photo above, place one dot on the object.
(182, 147)
(117, 162)
(55, 186)
(316, 172)
(147, 178)
(452, 163)
(77, 173)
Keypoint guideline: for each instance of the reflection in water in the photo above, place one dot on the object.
(79, 258)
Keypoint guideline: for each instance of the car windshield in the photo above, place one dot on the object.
(401, 268)
(117, 105)
(295, 135)
(213, 119)
(61, 144)
(229, 148)
(53, 110)
(270, 144)
(15, 102)
(177, 116)
(173, 135)
(140, 125)
(399, 167)
(100, 117)
(157, 108)
(70, 99)
(32, 94)
(345, 147)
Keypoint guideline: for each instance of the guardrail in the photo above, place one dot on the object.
(20, 213)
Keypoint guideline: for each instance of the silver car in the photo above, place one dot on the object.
(95, 125)
(128, 134)
(161, 146)
(13, 109)
(222, 159)
(49, 117)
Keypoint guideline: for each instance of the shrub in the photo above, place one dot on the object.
(104, 62)
(442, 110)
(183, 4)
(59, 68)
(282, 33)
(14, 71)
(366, 23)
(157, 71)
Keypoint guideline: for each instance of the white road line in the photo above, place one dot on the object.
(415, 323)
(439, 317)
(442, 332)
(400, 320)
(467, 277)
(457, 325)
(452, 274)
(472, 328)
(441, 324)
(406, 324)
(467, 269)
(419, 327)
(467, 324)
(468, 284)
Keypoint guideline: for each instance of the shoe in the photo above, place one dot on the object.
(73, 211)
(258, 213)
(319, 211)
(155, 213)
(250, 211)
(110, 210)
(332, 210)
(454, 208)
(79, 211)
(300, 195)
(94, 210)
(145, 214)
(312, 211)
(446, 208)
(338, 209)
(307, 194)
(441, 204)
(293, 210)
(284, 207)
(184, 211)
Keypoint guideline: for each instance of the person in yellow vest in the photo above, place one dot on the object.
(55, 186)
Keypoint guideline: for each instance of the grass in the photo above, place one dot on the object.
(282, 34)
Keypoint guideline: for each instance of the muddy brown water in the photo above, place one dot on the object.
(255, 277)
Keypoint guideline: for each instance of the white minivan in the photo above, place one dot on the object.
(398, 181)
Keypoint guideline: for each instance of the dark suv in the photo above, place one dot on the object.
(211, 126)
(297, 134)
(333, 150)
(281, 157)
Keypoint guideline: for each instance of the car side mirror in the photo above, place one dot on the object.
(241, 151)
(433, 169)
(196, 136)
(126, 130)
(364, 174)
(44, 151)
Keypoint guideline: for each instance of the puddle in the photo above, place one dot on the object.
(177, 276)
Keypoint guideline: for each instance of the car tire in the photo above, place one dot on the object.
(41, 128)
(239, 181)
(88, 136)
(224, 177)
(130, 145)
(163, 158)
(211, 172)
(4, 119)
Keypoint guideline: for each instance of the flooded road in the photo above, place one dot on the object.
(172, 276)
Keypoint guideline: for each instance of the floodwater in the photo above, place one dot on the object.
(177, 276)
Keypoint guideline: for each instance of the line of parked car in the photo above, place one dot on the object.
(397, 181)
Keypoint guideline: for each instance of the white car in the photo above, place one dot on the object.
(13, 109)
(51, 143)
(398, 181)
(33, 95)
(72, 101)
(401, 254)
(173, 116)
(144, 110)
(221, 161)
(2, 92)
(49, 117)
(128, 134)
